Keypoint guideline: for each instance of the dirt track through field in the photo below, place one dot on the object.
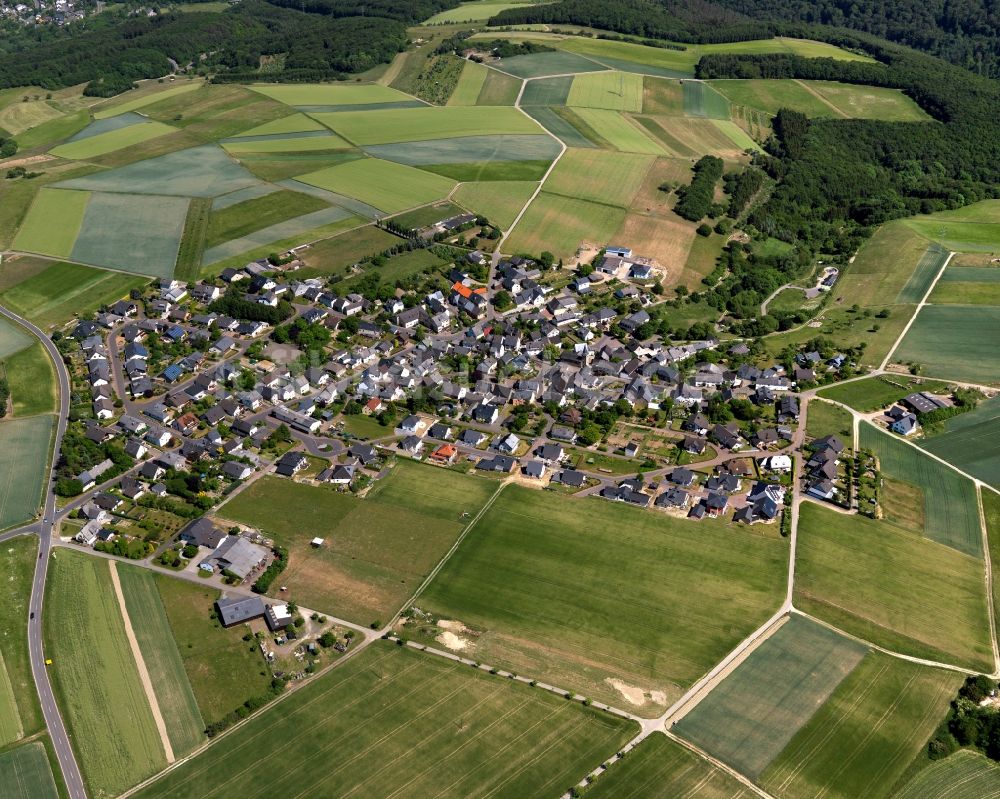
(147, 683)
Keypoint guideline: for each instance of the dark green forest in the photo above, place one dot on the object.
(322, 39)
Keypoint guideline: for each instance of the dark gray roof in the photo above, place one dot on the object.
(235, 610)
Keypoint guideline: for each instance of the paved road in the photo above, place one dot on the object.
(53, 719)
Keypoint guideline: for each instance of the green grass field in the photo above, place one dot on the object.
(293, 123)
(95, 677)
(53, 222)
(178, 705)
(824, 419)
(565, 130)
(222, 669)
(21, 713)
(971, 236)
(309, 142)
(872, 393)
(827, 99)
(749, 718)
(863, 739)
(991, 517)
(963, 775)
(928, 268)
(250, 215)
(499, 89)
(561, 224)
(499, 201)
(297, 94)
(334, 255)
(105, 143)
(541, 577)
(967, 285)
(470, 149)
(470, 84)
(24, 445)
(659, 768)
(617, 91)
(421, 124)
(951, 514)
(971, 442)
(13, 338)
(548, 91)
(599, 176)
(204, 171)
(690, 138)
(378, 550)
(133, 233)
(620, 133)
(242, 195)
(25, 773)
(477, 11)
(701, 100)
(892, 587)
(396, 722)
(32, 381)
(954, 342)
(59, 291)
(189, 252)
(281, 235)
(131, 104)
(541, 65)
(385, 185)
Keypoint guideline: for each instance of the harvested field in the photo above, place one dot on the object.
(53, 222)
(476, 149)
(394, 720)
(692, 138)
(421, 124)
(108, 233)
(892, 587)
(749, 718)
(561, 224)
(388, 186)
(540, 575)
(866, 735)
(599, 176)
(668, 240)
(196, 172)
(378, 549)
(662, 97)
(954, 342)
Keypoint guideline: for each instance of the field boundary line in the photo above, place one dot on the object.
(140, 664)
(934, 664)
(840, 114)
(737, 775)
(447, 555)
(988, 569)
(916, 313)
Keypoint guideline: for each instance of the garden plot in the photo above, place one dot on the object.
(112, 140)
(749, 718)
(469, 149)
(204, 171)
(53, 222)
(420, 124)
(386, 185)
(108, 236)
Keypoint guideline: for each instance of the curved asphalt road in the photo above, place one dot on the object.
(53, 720)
